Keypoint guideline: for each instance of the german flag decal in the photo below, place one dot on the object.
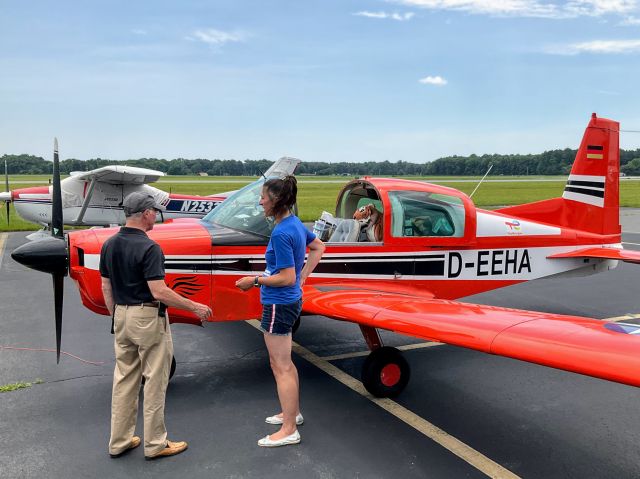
(594, 152)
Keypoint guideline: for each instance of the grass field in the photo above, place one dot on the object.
(317, 194)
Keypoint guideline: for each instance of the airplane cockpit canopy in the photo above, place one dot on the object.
(242, 212)
(423, 213)
(355, 195)
(410, 208)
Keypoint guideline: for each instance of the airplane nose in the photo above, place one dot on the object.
(47, 255)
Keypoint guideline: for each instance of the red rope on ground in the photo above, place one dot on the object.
(95, 363)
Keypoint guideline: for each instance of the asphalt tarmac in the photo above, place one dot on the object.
(464, 414)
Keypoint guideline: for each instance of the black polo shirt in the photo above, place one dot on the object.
(129, 259)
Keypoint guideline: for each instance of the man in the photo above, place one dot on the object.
(132, 270)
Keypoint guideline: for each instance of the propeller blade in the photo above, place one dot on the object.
(6, 187)
(58, 290)
(50, 255)
(57, 228)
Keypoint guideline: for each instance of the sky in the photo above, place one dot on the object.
(320, 80)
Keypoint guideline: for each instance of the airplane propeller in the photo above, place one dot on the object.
(50, 255)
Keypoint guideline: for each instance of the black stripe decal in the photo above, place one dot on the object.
(189, 267)
(420, 268)
(582, 191)
(595, 147)
(383, 257)
(595, 184)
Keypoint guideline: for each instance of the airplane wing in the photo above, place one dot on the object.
(119, 175)
(282, 167)
(583, 345)
(626, 255)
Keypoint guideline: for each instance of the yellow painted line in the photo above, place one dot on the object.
(3, 239)
(457, 447)
(357, 354)
(595, 156)
(622, 318)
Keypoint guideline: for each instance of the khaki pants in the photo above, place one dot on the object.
(143, 347)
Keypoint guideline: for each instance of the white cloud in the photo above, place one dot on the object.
(529, 8)
(630, 21)
(138, 31)
(597, 46)
(401, 17)
(597, 8)
(216, 37)
(436, 80)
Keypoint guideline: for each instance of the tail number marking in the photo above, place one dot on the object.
(495, 262)
(197, 206)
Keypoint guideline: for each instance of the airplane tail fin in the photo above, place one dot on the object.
(591, 197)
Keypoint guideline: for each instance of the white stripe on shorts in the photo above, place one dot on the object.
(273, 318)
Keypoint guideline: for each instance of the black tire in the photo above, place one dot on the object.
(173, 367)
(295, 326)
(385, 372)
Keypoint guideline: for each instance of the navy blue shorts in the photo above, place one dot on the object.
(278, 319)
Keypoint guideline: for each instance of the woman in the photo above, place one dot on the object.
(281, 298)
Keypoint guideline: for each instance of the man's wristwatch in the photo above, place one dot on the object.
(255, 282)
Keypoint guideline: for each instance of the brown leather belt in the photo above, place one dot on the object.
(145, 305)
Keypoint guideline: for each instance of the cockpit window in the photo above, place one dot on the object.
(418, 213)
(242, 211)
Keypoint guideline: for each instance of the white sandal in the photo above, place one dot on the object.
(285, 441)
(277, 420)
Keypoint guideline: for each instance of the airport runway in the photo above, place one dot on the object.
(464, 414)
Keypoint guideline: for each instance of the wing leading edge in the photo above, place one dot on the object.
(120, 175)
(581, 345)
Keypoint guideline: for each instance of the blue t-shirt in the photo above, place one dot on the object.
(286, 249)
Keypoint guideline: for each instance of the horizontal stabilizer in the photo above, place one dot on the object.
(583, 345)
(626, 255)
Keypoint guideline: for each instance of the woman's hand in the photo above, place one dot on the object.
(245, 283)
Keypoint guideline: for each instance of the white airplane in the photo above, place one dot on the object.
(94, 198)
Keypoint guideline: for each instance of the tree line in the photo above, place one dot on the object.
(554, 162)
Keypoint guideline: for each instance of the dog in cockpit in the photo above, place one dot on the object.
(370, 220)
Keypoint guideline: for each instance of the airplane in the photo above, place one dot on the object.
(408, 281)
(94, 198)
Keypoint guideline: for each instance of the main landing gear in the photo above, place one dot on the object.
(385, 372)
(172, 371)
(296, 325)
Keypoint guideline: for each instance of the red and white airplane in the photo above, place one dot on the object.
(94, 198)
(409, 280)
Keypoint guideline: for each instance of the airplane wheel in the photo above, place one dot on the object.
(296, 325)
(173, 367)
(385, 372)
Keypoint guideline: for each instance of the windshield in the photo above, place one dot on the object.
(242, 211)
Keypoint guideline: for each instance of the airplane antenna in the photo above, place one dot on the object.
(480, 182)
(262, 174)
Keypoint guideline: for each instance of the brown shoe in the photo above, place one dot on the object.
(171, 449)
(135, 442)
